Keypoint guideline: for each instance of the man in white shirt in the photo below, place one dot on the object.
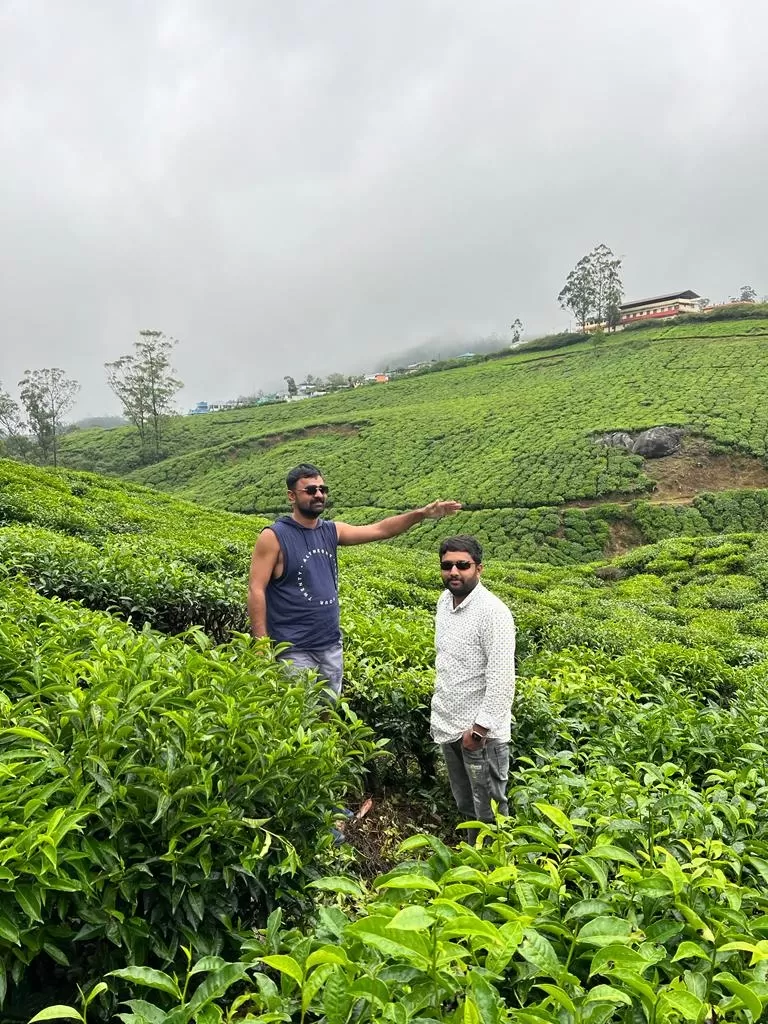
(475, 682)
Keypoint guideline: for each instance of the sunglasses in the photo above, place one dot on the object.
(314, 488)
(446, 565)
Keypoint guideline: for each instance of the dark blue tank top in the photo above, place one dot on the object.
(303, 604)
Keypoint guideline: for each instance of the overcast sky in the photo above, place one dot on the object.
(301, 187)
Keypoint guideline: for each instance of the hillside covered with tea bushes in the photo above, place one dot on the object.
(165, 786)
(513, 438)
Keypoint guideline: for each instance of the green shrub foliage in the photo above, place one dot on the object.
(164, 791)
(154, 792)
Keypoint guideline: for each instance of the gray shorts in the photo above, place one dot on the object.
(327, 662)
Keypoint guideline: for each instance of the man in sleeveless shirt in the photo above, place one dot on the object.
(293, 586)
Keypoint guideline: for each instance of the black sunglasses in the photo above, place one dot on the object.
(314, 488)
(446, 565)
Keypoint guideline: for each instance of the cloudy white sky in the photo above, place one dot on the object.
(295, 187)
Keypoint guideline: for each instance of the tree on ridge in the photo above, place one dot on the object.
(13, 438)
(46, 395)
(593, 289)
(145, 383)
(746, 294)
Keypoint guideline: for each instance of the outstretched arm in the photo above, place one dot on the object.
(394, 525)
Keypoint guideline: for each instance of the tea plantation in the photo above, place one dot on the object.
(166, 792)
(513, 438)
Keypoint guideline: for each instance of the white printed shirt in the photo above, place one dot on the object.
(475, 679)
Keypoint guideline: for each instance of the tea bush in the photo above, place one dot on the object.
(629, 898)
(169, 791)
(153, 792)
(131, 579)
(96, 508)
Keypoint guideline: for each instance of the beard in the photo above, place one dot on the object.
(461, 587)
(311, 509)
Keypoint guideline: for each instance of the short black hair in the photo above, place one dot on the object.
(463, 542)
(305, 469)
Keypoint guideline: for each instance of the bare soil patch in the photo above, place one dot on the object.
(623, 537)
(376, 834)
(696, 470)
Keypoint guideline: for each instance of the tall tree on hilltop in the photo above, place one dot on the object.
(593, 289)
(517, 330)
(10, 414)
(292, 389)
(145, 383)
(46, 396)
(129, 385)
(746, 294)
(607, 277)
(578, 293)
(12, 427)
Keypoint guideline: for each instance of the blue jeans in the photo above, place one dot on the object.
(327, 662)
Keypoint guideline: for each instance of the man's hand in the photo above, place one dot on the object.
(469, 741)
(438, 509)
(261, 646)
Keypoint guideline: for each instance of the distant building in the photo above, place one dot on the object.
(203, 407)
(658, 308)
(231, 403)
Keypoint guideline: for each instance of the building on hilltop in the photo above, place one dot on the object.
(659, 307)
(232, 403)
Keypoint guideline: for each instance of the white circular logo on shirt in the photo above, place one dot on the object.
(300, 578)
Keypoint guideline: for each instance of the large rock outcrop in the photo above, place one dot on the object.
(618, 439)
(654, 443)
(658, 442)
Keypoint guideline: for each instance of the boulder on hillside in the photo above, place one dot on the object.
(617, 439)
(658, 442)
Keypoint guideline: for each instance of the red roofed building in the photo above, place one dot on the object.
(659, 308)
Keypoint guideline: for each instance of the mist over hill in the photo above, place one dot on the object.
(445, 346)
